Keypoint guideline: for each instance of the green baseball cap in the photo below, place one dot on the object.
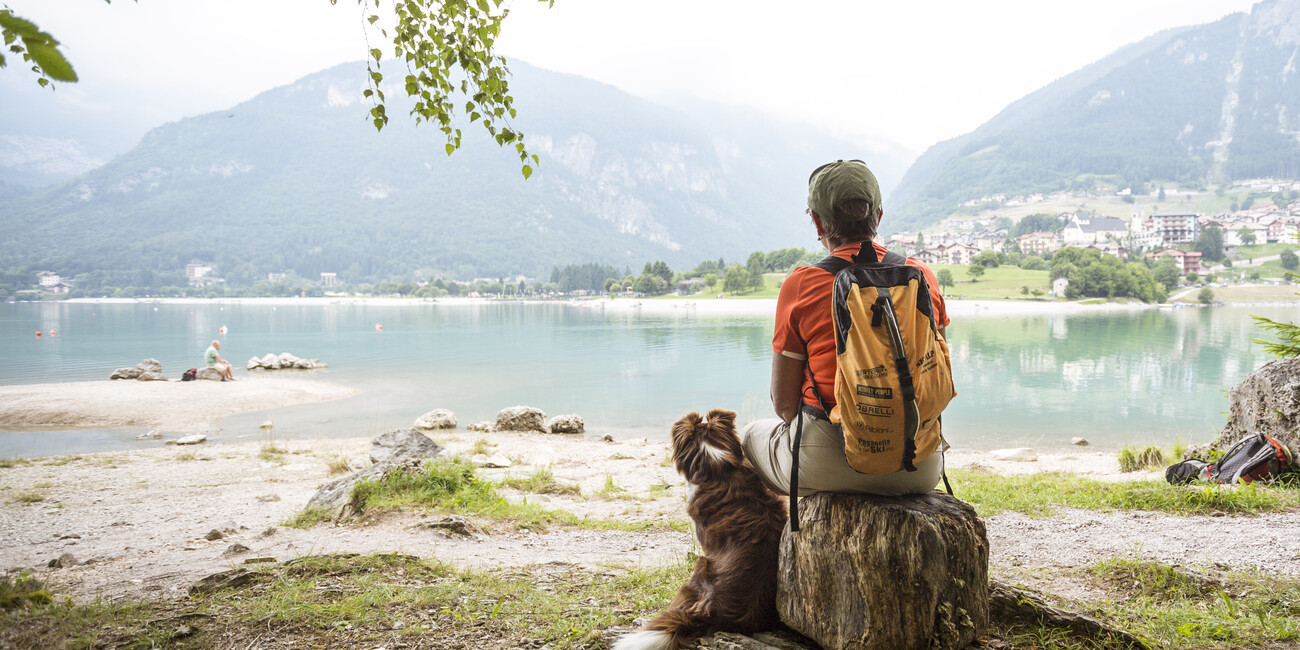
(840, 181)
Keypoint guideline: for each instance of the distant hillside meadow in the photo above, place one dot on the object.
(1192, 107)
(298, 181)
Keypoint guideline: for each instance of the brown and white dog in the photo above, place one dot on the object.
(738, 521)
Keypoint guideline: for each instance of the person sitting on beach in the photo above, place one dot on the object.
(214, 360)
(844, 203)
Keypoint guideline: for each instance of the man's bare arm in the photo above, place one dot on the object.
(787, 385)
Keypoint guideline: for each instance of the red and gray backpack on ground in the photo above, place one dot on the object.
(1254, 458)
(189, 375)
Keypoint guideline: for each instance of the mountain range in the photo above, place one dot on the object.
(297, 179)
(1196, 106)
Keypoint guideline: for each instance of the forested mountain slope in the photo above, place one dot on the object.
(1193, 105)
(298, 180)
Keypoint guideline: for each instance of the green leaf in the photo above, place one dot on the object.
(527, 170)
(451, 148)
(51, 61)
(376, 54)
(372, 19)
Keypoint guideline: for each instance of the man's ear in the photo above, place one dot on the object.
(817, 221)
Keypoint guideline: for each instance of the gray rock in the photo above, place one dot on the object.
(269, 498)
(436, 419)
(481, 427)
(400, 445)
(1081, 442)
(210, 374)
(150, 375)
(253, 364)
(566, 424)
(270, 362)
(125, 373)
(483, 460)
(286, 360)
(231, 579)
(149, 365)
(269, 531)
(235, 549)
(455, 524)
(335, 497)
(904, 572)
(213, 535)
(63, 561)
(521, 418)
(192, 439)
(1266, 401)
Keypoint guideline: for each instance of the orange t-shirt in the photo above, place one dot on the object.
(804, 330)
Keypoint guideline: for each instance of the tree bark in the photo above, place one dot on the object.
(867, 572)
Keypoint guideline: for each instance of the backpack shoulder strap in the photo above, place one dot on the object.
(867, 254)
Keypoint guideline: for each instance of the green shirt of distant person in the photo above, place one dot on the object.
(210, 357)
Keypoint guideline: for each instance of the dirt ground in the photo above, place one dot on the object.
(136, 521)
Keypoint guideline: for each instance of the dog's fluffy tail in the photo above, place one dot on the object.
(670, 630)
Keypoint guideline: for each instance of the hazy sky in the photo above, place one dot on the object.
(910, 72)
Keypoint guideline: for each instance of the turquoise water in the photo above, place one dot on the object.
(1137, 376)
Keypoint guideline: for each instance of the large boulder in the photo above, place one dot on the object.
(400, 445)
(210, 374)
(149, 365)
(150, 375)
(399, 449)
(521, 418)
(283, 361)
(1266, 401)
(870, 572)
(566, 424)
(436, 419)
(126, 373)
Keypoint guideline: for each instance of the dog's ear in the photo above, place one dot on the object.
(722, 436)
(687, 423)
(723, 417)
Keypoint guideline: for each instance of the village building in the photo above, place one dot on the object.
(1175, 228)
(1039, 243)
(196, 273)
(48, 279)
(275, 276)
(1188, 262)
(1112, 248)
(1085, 230)
(956, 253)
(329, 278)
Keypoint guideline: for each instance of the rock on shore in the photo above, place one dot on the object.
(147, 370)
(436, 419)
(1266, 401)
(283, 361)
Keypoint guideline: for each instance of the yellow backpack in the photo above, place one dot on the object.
(893, 376)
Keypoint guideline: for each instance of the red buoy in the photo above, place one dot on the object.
(38, 334)
(378, 328)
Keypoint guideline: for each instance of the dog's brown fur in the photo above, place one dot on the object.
(738, 521)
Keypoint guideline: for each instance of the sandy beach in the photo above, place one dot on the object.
(166, 405)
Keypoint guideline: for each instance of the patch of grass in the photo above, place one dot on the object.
(453, 485)
(657, 490)
(59, 461)
(1132, 459)
(1173, 610)
(1041, 494)
(480, 446)
(611, 490)
(31, 617)
(189, 455)
(27, 496)
(272, 454)
(338, 465)
(541, 481)
(622, 456)
(23, 591)
(1176, 452)
(307, 518)
(6, 463)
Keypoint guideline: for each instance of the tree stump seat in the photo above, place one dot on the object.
(868, 572)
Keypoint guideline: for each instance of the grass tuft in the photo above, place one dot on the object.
(22, 592)
(307, 518)
(541, 481)
(481, 446)
(6, 463)
(338, 465)
(27, 496)
(272, 454)
(1132, 459)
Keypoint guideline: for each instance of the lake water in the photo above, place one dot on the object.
(1114, 377)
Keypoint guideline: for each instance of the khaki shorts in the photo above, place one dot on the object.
(822, 466)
